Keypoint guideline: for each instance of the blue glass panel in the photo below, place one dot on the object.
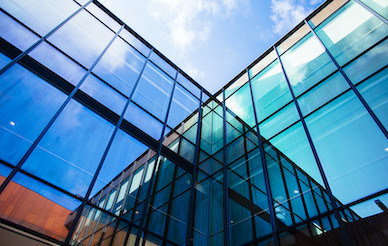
(189, 85)
(350, 31)
(270, 91)
(375, 92)
(83, 38)
(144, 121)
(123, 151)
(351, 147)
(164, 65)
(104, 94)
(71, 149)
(120, 66)
(4, 172)
(27, 104)
(182, 105)
(132, 40)
(4, 60)
(40, 16)
(153, 91)
(58, 63)
(15, 33)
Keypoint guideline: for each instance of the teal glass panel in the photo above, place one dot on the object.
(63, 147)
(154, 84)
(83, 38)
(279, 121)
(322, 93)
(306, 63)
(380, 6)
(270, 91)
(241, 224)
(293, 143)
(350, 31)
(375, 92)
(27, 103)
(368, 64)
(177, 226)
(240, 103)
(351, 147)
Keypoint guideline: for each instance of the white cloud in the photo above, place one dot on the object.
(287, 13)
(194, 72)
(185, 20)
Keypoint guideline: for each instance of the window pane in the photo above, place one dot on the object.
(51, 57)
(132, 40)
(306, 63)
(189, 85)
(144, 121)
(358, 152)
(103, 93)
(63, 149)
(162, 64)
(40, 16)
(380, 6)
(153, 91)
(350, 31)
(123, 151)
(120, 66)
(15, 33)
(270, 91)
(27, 104)
(240, 103)
(82, 38)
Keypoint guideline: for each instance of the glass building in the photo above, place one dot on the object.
(104, 141)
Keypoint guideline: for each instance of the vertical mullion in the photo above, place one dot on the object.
(343, 231)
(352, 86)
(151, 181)
(42, 39)
(286, 189)
(265, 171)
(225, 177)
(193, 195)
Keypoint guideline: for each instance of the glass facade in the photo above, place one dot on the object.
(104, 141)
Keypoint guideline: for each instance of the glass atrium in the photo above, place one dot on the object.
(104, 141)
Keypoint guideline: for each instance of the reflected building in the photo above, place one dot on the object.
(104, 141)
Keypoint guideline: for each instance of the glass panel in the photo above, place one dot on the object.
(103, 17)
(375, 92)
(135, 42)
(15, 33)
(104, 94)
(123, 152)
(154, 84)
(350, 147)
(306, 63)
(120, 66)
(40, 16)
(51, 57)
(270, 91)
(264, 62)
(324, 92)
(144, 121)
(236, 84)
(162, 64)
(36, 206)
(350, 31)
(293, 39)
(240, 103)
(83, 38)
(27, 104)
(189, 85)
(183, 104)
(380, 6)
(63, 149)
(293, 143)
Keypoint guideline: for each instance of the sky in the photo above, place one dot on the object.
(212, 40)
